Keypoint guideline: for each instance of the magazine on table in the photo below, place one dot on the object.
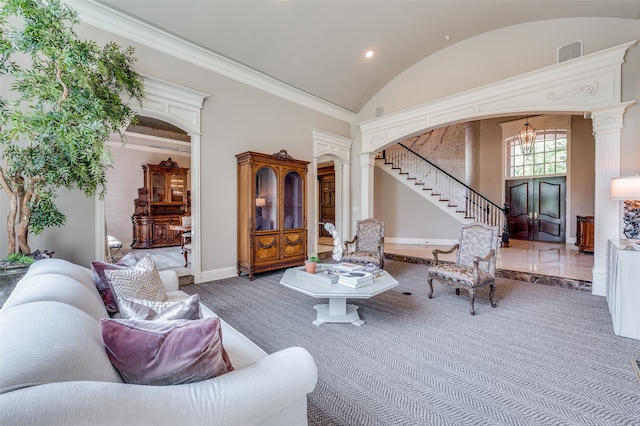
(355, 278)
(347, 267)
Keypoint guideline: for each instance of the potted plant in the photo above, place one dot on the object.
(311, 263)
(12, 269)
(67, 97)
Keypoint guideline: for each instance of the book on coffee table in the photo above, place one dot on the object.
(355, 279)
(347, 267)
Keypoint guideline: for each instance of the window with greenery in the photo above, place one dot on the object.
(548, 156)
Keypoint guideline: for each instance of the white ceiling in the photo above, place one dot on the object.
(318, 46)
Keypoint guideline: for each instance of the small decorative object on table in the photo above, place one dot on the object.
(311, 264)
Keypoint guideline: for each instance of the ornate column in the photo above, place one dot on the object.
(607, 126)
(367, 163)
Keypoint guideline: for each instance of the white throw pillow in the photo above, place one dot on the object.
(141, 281)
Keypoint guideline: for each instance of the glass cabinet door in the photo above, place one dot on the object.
(293, 200)
(266, 199)
(158, 185)
(177, 188)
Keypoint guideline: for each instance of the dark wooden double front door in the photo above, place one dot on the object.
(537, 208)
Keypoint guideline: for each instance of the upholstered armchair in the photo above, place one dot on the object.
(475, 265)
(367, 244)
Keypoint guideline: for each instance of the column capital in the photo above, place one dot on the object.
(609, 119)
(368, 159)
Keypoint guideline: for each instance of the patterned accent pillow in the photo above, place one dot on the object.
(140, 309)
(102, 283)
(141, 281)
(165, 353)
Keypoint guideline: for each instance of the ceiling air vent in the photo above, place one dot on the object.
(379, 111)
(570, 51)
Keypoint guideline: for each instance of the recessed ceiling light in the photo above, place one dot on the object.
(369, 54)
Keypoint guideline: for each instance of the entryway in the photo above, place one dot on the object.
(537, 208)
(327, 197)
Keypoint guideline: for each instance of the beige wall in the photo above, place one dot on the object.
(583, 162)
(235, 118)
(407, 215)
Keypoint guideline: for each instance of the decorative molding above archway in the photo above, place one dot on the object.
(576, 86)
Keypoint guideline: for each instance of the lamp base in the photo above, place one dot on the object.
(631, 219)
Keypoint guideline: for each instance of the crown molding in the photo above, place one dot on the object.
(115, 22)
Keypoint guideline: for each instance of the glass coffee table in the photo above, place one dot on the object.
(337, 310)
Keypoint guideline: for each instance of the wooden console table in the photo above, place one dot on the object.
(623, 291)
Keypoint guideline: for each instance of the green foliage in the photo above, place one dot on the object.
(67, 97)
(25, 259)
(314, 259)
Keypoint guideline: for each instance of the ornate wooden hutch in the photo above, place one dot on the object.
(272, 218)
(161, 202)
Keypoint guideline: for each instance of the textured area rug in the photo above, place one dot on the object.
(544, 356)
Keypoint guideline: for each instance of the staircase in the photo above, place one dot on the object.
(440, 188)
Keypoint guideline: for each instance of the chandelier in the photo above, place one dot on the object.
(526, 138)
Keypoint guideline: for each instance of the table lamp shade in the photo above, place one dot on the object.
(625, 188)
(628, 189)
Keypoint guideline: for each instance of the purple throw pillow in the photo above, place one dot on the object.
(100, 279)
(165, 352)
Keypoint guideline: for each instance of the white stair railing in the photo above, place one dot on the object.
(438, 183)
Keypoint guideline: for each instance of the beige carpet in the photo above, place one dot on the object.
(545, 356)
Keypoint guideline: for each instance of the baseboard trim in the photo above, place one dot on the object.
(599, 283)
(218, 274)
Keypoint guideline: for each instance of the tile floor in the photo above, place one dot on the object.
(550, 259)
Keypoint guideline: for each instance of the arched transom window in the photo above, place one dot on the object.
(547, 155)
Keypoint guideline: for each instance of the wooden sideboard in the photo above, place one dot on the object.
(584, 234)
(161, 202)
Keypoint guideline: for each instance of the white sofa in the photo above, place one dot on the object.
(54, 369)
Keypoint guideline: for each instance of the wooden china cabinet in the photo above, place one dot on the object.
(161, 202)
(272, 219)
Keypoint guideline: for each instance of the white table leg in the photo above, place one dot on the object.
(338, 307)
(337, 311)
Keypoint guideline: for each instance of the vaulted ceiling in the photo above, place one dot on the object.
(319, 46)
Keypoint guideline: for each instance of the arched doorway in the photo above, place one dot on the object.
(329, 147)
(180, 107)
(589, 85)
